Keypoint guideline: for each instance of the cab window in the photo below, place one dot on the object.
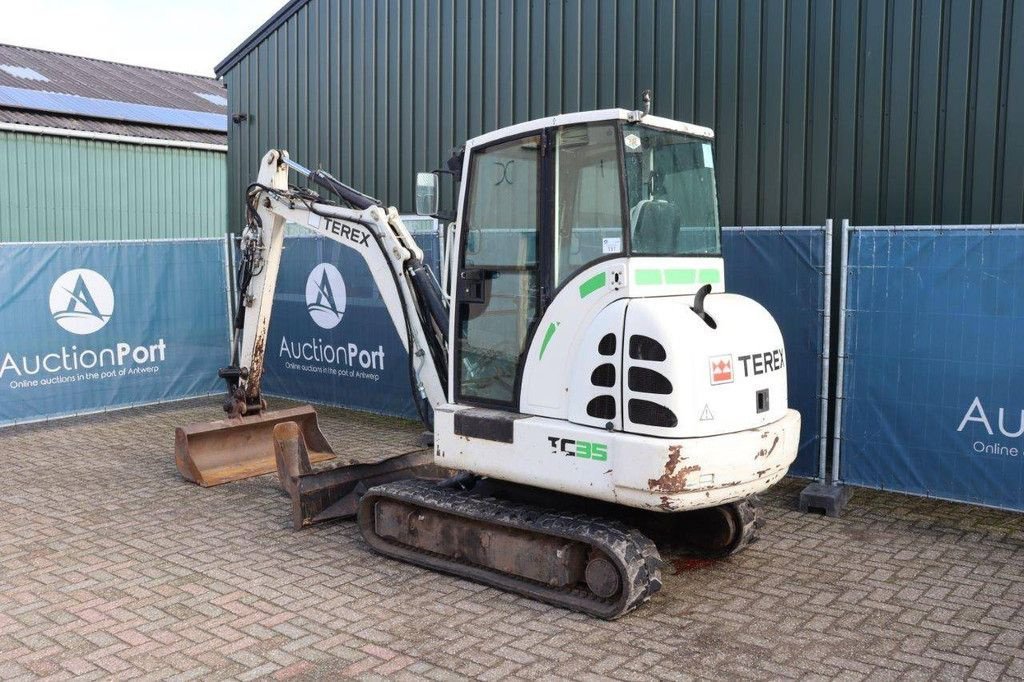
(588, 197)
(498, 283)
(670, 186)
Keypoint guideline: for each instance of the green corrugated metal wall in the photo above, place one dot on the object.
(882, 111)
(70, 189)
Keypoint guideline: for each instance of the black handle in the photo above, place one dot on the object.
(473, 284)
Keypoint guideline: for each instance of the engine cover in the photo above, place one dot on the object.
(653, 366)
(684, 377)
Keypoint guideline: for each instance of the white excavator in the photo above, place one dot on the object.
(590, 383)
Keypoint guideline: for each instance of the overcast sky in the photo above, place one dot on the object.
(177, 35)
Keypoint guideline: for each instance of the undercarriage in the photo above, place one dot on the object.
(574, 552)
(580, 561)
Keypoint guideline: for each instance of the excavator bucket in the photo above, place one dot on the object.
(240, 447)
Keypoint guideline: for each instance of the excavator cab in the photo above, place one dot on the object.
(539, 208)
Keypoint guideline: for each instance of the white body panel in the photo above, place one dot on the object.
(661, 474)
(720, 448)
(703, 406)
(547, 376)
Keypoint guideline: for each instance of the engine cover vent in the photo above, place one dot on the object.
(603, 375)
(607, 345)
(645, 348)
(602, 407)
(651, 414)
(644, 380)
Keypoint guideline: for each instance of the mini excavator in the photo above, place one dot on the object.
(586, 376)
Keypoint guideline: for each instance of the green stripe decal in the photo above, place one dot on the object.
(645, 277)
(590, 286)
(680, 276)
(547, 337)
(709, 276)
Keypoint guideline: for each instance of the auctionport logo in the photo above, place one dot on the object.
(81, 301)
(325, 295)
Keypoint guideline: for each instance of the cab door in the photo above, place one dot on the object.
(501, 271)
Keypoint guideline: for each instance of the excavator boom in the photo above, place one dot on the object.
(242, 445)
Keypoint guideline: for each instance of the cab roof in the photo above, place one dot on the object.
(590, 117)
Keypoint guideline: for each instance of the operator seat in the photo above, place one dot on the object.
(657, 227)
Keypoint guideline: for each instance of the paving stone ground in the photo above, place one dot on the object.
(111, 565)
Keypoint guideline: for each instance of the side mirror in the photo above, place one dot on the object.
(426, 194)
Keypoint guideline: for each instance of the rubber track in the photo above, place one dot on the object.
(635, 555)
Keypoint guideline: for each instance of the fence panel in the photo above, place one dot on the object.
(90, 326)
(332, 341)
(785, 270)
(931, 400)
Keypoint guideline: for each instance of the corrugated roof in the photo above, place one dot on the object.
(47, 120)
(101, 80)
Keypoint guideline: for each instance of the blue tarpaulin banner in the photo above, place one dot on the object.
(331, 338)
(91, 326)
(934, 363)
(783, 270)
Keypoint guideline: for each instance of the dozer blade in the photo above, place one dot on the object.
(240, 447)
(334, 491)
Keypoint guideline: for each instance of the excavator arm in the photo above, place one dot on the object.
(242, 445)
(395, 262)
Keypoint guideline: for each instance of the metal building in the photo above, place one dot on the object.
(879, 111)
(95, 150)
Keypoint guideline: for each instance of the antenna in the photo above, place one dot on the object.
(646, 97)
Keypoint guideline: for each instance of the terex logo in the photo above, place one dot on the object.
(762, 363)
(81, 301)
(325, 296)
(352, 233)
(721, 369)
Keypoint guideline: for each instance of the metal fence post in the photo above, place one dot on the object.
(844, 256)
(229, 277)
(829, 495)
(826, 339)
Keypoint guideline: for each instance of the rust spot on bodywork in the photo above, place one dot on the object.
(765, 453)
(672, 480)
(256, 370)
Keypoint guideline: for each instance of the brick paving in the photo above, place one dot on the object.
(112, 566)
